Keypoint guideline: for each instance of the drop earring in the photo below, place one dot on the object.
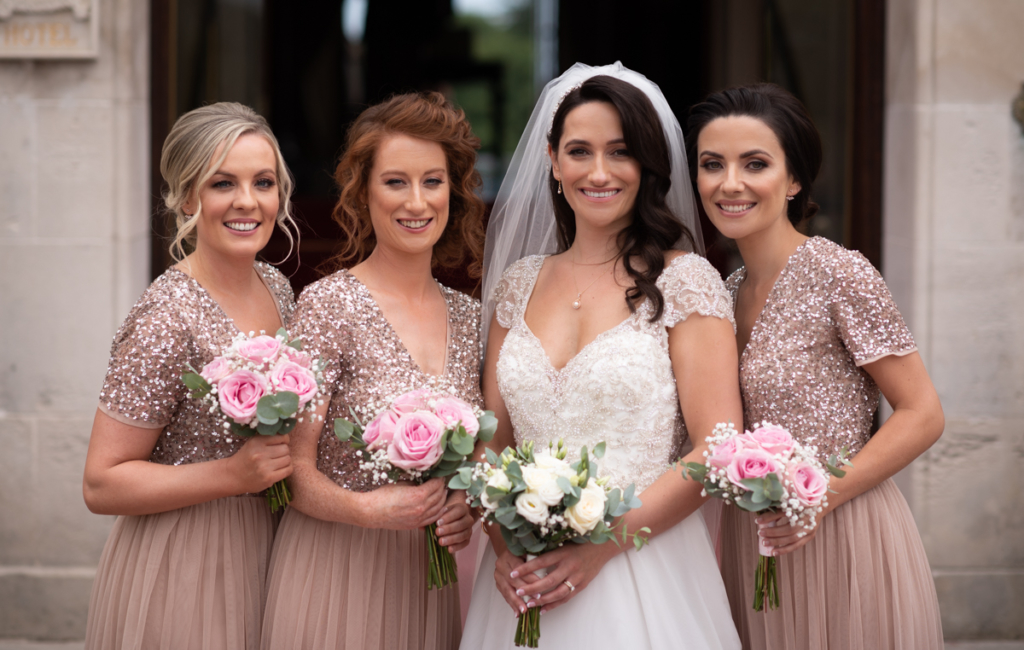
(559, 187)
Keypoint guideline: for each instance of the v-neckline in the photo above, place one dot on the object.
(220, 308)
(756, 328)
(394, 334)
(579, 353)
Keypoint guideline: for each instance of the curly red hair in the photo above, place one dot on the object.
(428, 116)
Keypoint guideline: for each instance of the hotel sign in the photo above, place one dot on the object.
(49, 29)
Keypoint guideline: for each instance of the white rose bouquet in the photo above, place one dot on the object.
(260, 384)
(541, 501)
(766, 470)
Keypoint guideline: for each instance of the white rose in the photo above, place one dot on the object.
(556, 466)
(544, 484)
(532, 508)
(588, 510)
(497, 480)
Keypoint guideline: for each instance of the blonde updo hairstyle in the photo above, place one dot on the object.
(187, 162)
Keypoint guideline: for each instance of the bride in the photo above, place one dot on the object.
(618, 337)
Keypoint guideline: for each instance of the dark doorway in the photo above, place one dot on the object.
(310, 72)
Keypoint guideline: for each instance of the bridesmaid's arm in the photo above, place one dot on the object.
(120, 480)
(706, 366)
(916, 423)
(397, 507)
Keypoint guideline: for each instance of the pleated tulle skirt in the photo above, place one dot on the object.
(341, 587)
(188, 579)
(667, 595)
(862, 583)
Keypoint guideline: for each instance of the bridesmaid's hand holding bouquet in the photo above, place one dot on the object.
(766, 470)
(261, 384)
(419, 436)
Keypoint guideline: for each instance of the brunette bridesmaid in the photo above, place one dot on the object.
(186, 562)
(820, 337)
(349, 569)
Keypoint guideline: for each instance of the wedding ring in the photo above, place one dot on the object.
(569, 585)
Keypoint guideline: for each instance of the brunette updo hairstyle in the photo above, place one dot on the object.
(786, 116)
(653, 228)
(428, 116)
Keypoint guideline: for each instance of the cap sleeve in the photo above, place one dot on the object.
(512, 290)
(691, 285)
(321, 328)
(869, 322)
(150, 352)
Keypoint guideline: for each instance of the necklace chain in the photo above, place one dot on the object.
(576, 304)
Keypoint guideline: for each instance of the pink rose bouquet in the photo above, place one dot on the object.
(261, 385)
(420, 435)
(766, 470)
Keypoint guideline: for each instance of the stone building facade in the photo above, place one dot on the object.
(75, 201)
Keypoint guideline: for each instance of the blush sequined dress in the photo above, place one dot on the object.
(863, 582)
(191, 578)
(339, 586)
(619, 389)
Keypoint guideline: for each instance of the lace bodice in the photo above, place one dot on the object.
(620, 388)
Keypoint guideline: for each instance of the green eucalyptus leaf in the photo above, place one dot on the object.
(268, 429)
(514, 472)
(458, 482)
(343, 429)
(451, 454)
(288, 425)
(599, 450)
(613, 502)
(194, 382)
(462, 443)
(492, 458)
(564, 484)
(488, 425)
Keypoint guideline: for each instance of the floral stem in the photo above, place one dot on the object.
(766, 584)
(528, 628)
(278, 496)
(442, 570)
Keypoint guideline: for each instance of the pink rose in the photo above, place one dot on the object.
(238, 394)
(723, 453)
(297, 356)
(774, 440)
(216, 370)
(290, 376)
(414, 400)
(381, 431)
(416, 445)
(259, 348)
(809, 483)
(453, 410)
(752, 463)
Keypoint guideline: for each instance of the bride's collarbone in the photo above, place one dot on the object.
(564, 331)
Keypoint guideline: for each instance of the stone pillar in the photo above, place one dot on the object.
(74, 234)
(954, 258)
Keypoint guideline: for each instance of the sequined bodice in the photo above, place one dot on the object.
(620, 388)
(367, 364)
(173, 325)
(828, 314)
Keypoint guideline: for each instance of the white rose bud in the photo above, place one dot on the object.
(532, 508)
(556, 466)
(588, 510)
(544, 484)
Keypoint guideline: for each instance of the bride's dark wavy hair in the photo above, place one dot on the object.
(653, 228)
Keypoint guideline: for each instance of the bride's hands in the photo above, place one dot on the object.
(508, 586)
(455, 527)
(578, 564)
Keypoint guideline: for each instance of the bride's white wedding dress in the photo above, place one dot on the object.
(619, 389)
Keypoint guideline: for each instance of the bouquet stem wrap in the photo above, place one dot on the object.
(442, 568)
(766, 585)
(528, 629)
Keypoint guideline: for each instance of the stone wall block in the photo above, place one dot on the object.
(58, 326)
(72, 535)
(18, 523)
(982, 605)
(978, 57)
(973, 173)
(44, 606)
(981, 522)
(16, 171)
(76, 170)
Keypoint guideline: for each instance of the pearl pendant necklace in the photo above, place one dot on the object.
(576, 304)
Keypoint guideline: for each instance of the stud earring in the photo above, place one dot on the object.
(790, 198)
(559, 187)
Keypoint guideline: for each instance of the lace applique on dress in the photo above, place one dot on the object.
(619, 389)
